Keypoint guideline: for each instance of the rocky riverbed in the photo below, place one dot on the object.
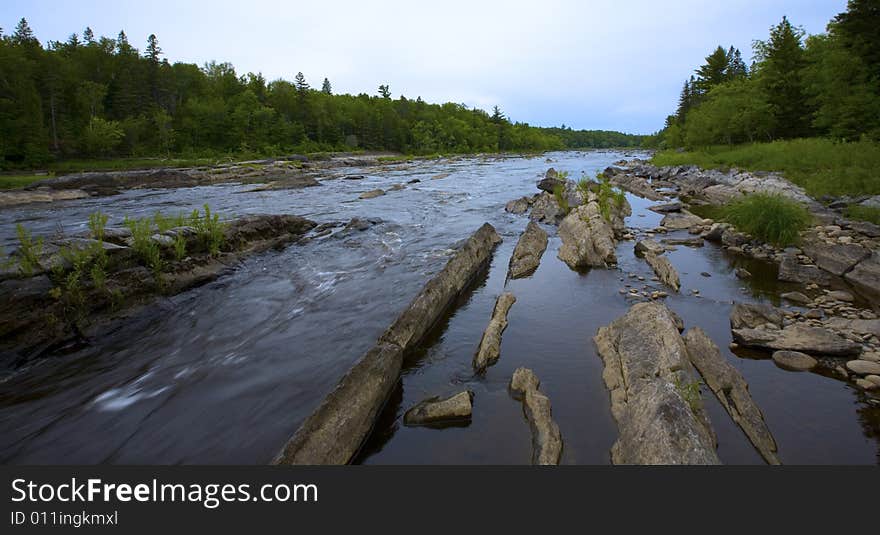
(263, 345)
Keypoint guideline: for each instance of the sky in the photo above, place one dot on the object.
(589, 64)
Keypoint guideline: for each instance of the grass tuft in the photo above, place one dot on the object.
(771, 218)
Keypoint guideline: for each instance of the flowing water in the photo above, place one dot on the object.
(225, 373)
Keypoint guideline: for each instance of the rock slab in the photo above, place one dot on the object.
(435, 410)
(528, 252)
(546, 438)
(490, 344)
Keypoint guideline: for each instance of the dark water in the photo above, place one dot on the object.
(225, 373)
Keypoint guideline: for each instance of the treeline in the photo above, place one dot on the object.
(824, 85)
(93, 97)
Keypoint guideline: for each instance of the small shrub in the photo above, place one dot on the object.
(771, 218)
(179, 246)
(165, 223)
(97, 223)
(609, 197)
(864, 213)
(561, 199)
(690, 392)
(143, 244)
(28, 251)
(209, 230)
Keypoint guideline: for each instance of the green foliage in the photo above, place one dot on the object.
(561, 198)
(864, 213)
(770, 218)
(209, 229)
(165, 223)
(179, 246)
(690, 392)
(822, 167)
(609, 197)
(19, 181)
(28, 251)
(143, 244)
(97, 223)
(101, 137)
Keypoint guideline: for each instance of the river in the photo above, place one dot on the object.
(226, 372)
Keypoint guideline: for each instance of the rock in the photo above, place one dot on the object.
(835, 259)
(696, 241)
(666, 207)
(680, 221)
(519, 206)
(649, 246)
(636, 185)
(865, 228)
(731, 390)
(546, 438)
(372, 194)
(874, 379)
(798, 337)
(866, 275)
(716, 232)
(527, 255)
(648, 373)
(794, 361)
(754, 315)
(706, 274)
(815, 314)
(397, 187)
(841, 295)
(358, 224)
(16, 197)
(545, 209)
(587, 239)
(550, 181)
(861, 326)
(791, 271)
(335, 431)
(664, 270)
(490, 345)
(441, 176)
(797, 298)
(742, 273)
(733, 238)
(865, 384)
(863, 367)
(437, 411)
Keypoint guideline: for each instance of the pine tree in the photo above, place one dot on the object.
(685, 101)
(780, 74)
(714, 72)
(859, 30)
(299, 82)
(737, 68)
(89, 35)
(23, 34)
(385, 91)
(153, 51)
(326, 88)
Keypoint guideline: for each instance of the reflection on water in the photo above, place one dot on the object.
(225, 373)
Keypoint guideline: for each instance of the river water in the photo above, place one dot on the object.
(225, 373)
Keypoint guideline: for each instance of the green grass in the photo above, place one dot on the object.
(771, 218)
(821, 166)
(561, 199)
(864, 213)
(20, 181)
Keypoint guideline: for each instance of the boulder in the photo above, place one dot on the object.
(659, 415)
(519, 206)
(666, 207)
(680, 221)
(733, 238)
(858, 326)
(841, 295)
(636, 185)
(587, 239)
(837, 259)
(863, 367)
(433, 411)
(716, 232)
(545, 209)
(696, 241)
(664, 270)
(792, 271)
(490, 344)
(798, 337)
(794, 361)
(546, 438)
(527, 255)
(731, 390)
(866, 276)
(648, 246)
(335, 431)
(754, 315)
(550, 181)
(796, 297)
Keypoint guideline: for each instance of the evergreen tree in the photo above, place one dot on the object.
(780, 74)
(737, 68)
(713, 73)
(299, 82)
(88, 36)
(859, 31)
(326, 88)
(23, 35)
(385, 91)
(153, 50)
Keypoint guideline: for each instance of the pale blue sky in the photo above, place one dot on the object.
(604, 64)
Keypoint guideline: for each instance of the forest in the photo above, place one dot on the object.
(798, 86)
(96, 97)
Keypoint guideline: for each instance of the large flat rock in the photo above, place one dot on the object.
(528, 252)
(659, 416)
(798, 337)
(587, 238)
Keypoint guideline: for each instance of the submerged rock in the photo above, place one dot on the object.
(664, 270)
(794, 361)
(587, 239)
(335, 431)
(372, 194)
(546, 438)
(527, 255)
(792, 271)
(659, 416)
(490, 344)
(435, 410)
(731, 390)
